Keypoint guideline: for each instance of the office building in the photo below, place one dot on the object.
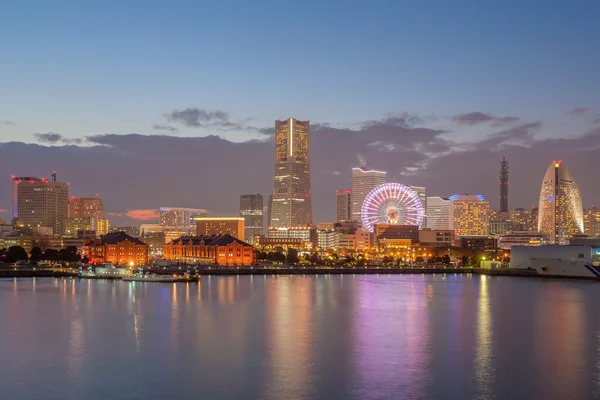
(233, 226)
(363, 181)
(396, 236)
(86, 207)
(520, 238)
(591, 222)
(180, 216)
(560, 210)
(440, 213)
(130, 230)
(471, 214)
(307, 233)
(343, 205)
(75, 225)
(292, 200)
(251, 209)
(421, 192)
(327, 239)
(16, 180)
(42, 203)
(436, 237)
(504, 185)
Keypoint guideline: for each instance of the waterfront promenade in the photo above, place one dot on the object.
(196, 272)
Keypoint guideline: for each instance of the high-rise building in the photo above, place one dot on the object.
(504, 185)
(421, 192)
(363, 181)
(440, 213)
(292, 200)
(591, 222)
(524, 219)
(41, 203)
(179, 217)
(233, 226)
(251, 209)
(86, 207)
(561, 210)
(471, 214)
(16, 180)
(269, 208)
(343, 205)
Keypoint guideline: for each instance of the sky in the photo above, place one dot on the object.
(156, 103)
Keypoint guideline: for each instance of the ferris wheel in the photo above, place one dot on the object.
(391, 204)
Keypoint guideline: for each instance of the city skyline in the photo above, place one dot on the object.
(394, 108)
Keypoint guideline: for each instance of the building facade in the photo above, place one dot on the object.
(86, 207)
(251, 209)
(422, 193)
(233, 226)
(292, 199)
(591, 222)
(440, 213)
(436, 237)
(180, 216)
(41, 203)
(222, 250)
(328, 239)
(471, 214)
(343, 205)
(560, 208)
(520, 238)
(118, 248)
(307, 233)
(396, 235)
(363, 181)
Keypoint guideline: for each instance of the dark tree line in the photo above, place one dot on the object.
(18, 253)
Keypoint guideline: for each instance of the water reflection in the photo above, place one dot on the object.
(484, 357)
(301, 337)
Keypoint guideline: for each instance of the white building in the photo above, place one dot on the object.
(421, 192)
(440, 213)
(328, 239)
(363, 181)
(520, 238)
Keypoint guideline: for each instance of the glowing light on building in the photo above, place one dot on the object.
(391, 204)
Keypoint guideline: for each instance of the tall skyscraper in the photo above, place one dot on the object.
(16, 180)
(440, 213)
(41, 203)
(561, 210)
(471, 215)
(292, 200)
(343, 205)
(251, 209)
(179, 217)
(504, 185)
(363, 181)
(421, 192)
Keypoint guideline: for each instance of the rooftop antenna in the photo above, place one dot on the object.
(53, 176)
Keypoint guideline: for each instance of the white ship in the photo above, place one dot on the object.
(554, 260)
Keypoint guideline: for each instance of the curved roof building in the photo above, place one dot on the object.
(561, 209)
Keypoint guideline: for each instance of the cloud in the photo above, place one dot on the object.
(6, 122)
(167, 128)
(197, 118)
(577, 111)
(49, 137)
(519, 135)
(143, 215)
(55, 138)
(474, 118)
(3, 211)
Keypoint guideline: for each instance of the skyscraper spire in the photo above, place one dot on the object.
(504, 185)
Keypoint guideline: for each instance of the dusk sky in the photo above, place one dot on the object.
(155, 103)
